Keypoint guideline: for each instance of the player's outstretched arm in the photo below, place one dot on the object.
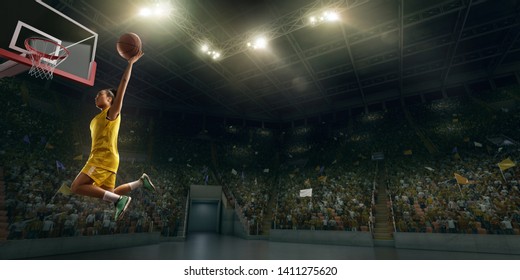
(115, 109)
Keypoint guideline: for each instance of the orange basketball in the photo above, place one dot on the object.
(128, 45)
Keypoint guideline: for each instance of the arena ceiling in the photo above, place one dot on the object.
(381, 51)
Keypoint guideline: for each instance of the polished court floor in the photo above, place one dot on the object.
(209, 246)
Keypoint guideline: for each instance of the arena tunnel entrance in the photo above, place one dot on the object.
(204, 209)
(204, 216)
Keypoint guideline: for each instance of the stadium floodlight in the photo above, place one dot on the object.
(330, 16)
(327, 16)
(259, 43)
(145, 12)
(158, 10)
(210, 51)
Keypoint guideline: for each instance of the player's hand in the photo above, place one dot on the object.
(135, 58)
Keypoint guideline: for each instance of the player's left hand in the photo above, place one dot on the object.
(135, 58)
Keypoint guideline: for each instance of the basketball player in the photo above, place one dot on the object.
(98, 177)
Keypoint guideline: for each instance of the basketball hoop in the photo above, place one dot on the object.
(45, 56)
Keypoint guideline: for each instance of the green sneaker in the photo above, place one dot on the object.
(147, 183)
(121, 205)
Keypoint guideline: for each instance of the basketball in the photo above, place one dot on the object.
(129, 45)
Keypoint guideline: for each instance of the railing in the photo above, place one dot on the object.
(257, 226)
(391, 209)
(276, 203)
(186, 214)
(372, 204)
(240, 213)
(373, 201)
(275, 212)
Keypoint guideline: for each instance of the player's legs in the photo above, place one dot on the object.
(84, 185)
(87, 186)
(95, 182)
(106, 188)
(121, 203)
(98, 182)
(108, 182)
(144, 181)
(123, 189)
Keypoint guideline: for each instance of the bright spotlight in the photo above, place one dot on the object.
(210, 52)
(145, 12)
(163, 8)
(259, 43)
(331, 16)
(327, 16)
(158, 11)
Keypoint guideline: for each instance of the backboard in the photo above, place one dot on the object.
(22, 19)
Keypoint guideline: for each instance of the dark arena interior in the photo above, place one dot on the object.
(275, 130)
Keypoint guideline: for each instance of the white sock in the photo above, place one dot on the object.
(136, 184)
(110, 196)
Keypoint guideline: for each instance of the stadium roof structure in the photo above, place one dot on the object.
(380, 53)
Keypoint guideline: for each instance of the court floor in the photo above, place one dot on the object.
(209, 246)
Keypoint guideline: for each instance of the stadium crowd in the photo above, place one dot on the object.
(267, 173)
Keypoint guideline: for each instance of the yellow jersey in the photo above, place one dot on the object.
(104, 134)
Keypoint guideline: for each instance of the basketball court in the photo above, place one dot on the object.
(210, 246)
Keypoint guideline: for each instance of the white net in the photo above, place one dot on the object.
(45, 56)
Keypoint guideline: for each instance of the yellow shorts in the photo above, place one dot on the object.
(101, 177)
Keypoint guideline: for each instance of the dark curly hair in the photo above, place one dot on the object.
(112, 92)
